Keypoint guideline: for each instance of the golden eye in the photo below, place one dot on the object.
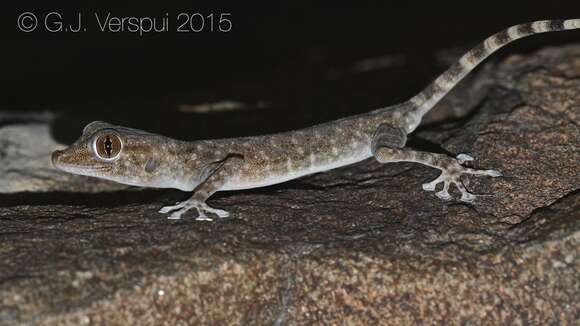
(108, 146)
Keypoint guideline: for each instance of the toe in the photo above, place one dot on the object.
(429, 186)
(221, 213)
(166, 209)
(443, 194)
(467, 197)
(200, 215)
(494, 173)
(462, 158)
(203, 218)
(175, 215)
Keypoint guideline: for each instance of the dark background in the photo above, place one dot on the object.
(297, 57)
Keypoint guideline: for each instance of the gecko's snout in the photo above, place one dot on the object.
(54, 157)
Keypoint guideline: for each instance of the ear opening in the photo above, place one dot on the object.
(151, 165)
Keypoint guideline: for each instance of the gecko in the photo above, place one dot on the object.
(140, 158)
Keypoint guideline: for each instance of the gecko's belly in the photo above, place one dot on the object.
(268, 177)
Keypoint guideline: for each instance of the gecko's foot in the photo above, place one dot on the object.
(202, 208)
(451, 174)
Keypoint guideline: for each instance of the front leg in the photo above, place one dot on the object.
(216, 176)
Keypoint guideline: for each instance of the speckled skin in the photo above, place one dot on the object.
(207, 166)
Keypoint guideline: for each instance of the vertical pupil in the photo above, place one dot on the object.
(108, 146)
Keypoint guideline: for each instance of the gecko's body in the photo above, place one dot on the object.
(290, 155)
(139, 158)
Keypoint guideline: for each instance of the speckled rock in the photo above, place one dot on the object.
(359, 245)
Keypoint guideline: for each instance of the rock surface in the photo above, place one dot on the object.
(25, 148)
(361, 244)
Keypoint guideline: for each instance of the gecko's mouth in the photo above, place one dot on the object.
(57, 163)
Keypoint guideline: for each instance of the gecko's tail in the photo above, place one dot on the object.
(426, 99)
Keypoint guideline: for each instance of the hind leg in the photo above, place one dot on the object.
(451, 169)
(387, 147)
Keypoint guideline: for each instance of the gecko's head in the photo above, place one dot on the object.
(112, 152)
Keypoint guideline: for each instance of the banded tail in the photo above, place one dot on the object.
(426, 99)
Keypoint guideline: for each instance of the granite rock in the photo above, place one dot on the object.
(358, 245)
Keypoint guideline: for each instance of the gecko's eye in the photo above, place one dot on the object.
(108, 146)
